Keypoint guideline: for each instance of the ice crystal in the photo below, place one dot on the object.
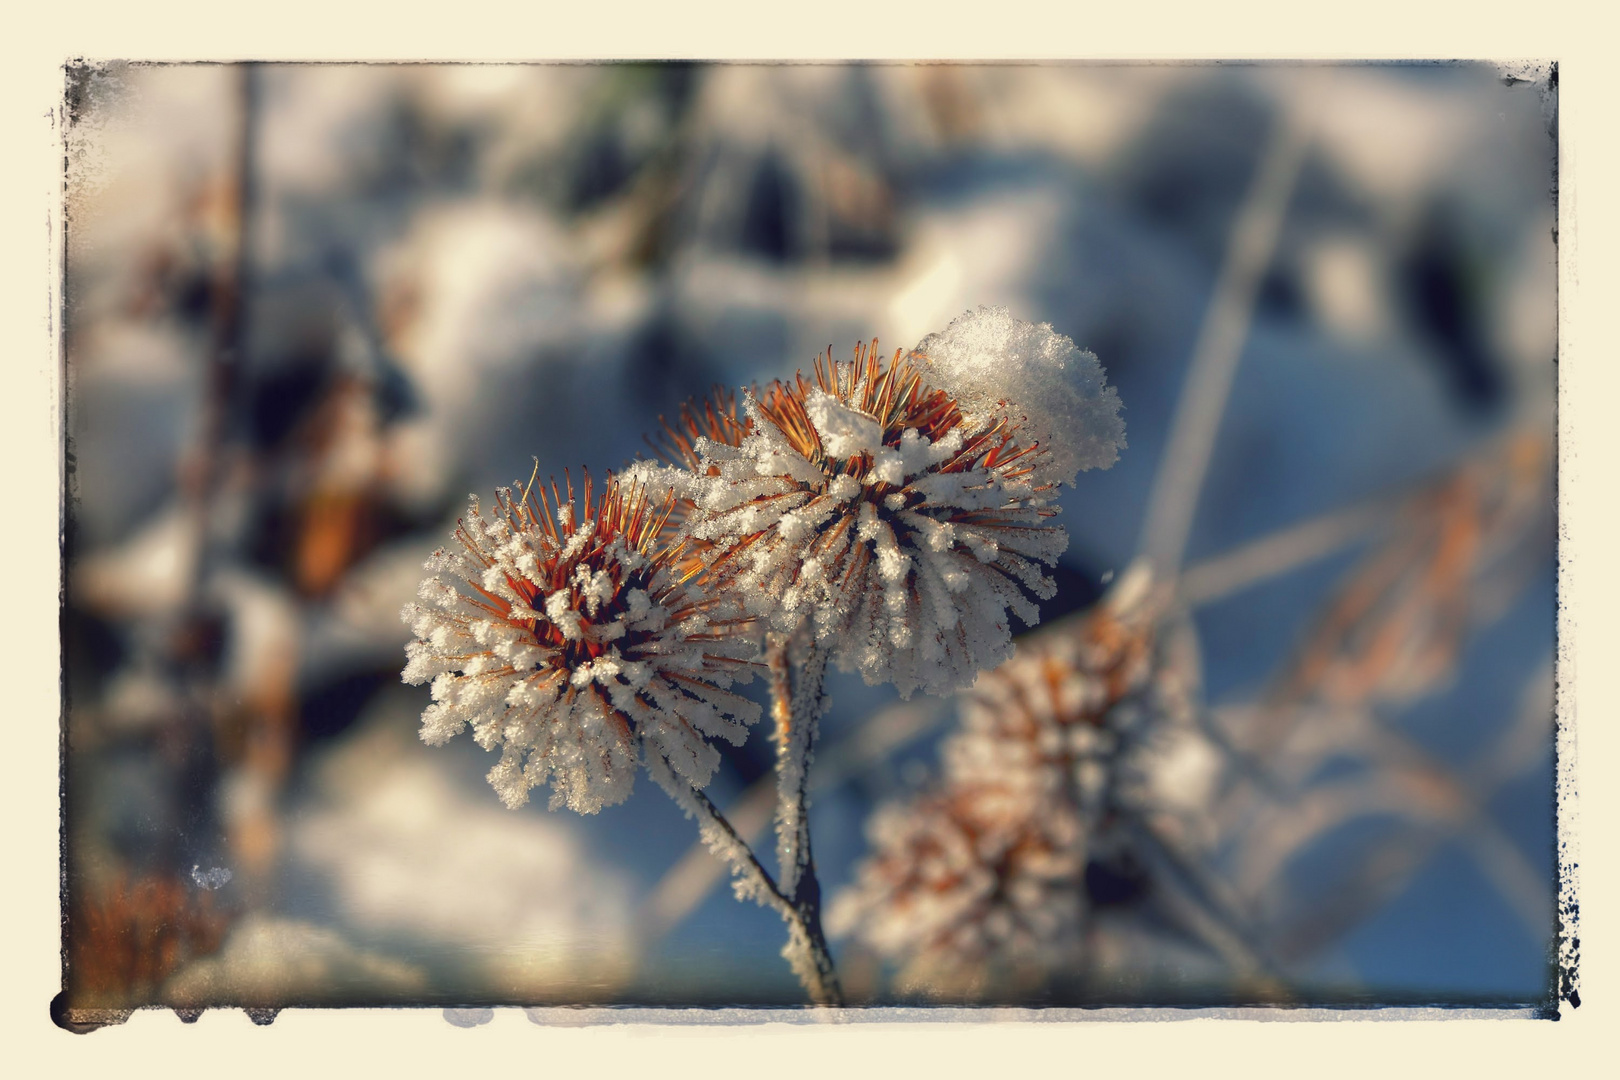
(715, 420)
(574, 643)
(867, 504)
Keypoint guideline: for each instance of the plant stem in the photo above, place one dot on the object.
(797, 700)
(1207, 385)
(807, 948)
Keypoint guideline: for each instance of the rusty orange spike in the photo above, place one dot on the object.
(551, 514)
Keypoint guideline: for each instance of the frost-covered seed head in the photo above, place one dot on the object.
(1094, 694)
(867, 503)
(968, 886)
(571, 640)
(981, 878)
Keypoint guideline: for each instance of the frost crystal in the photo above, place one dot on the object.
(995, 365)
(868, 505)
(713, 420)
(575, 644)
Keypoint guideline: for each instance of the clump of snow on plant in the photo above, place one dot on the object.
(1055, 392)
(580, 657)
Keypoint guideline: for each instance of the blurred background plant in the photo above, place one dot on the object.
(309, 308)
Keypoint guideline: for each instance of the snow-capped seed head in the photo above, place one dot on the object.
(575, 644)
(868, 503)
(1056, 393)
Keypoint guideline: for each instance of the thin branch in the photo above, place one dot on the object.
(740, 855)
(1174, 497)
(1455, 806)
(796, 703)
(683, 887)
(807, 948)
(1289, 548)
(797, 700)
(1203, 905)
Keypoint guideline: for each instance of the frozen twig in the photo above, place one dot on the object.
(797, 700)
(806, 950)
(685, 885)
(796, 705)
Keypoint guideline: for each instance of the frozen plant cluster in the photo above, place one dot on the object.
(901, 527)
(865, 517)
(980, 879)
(568, 640)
